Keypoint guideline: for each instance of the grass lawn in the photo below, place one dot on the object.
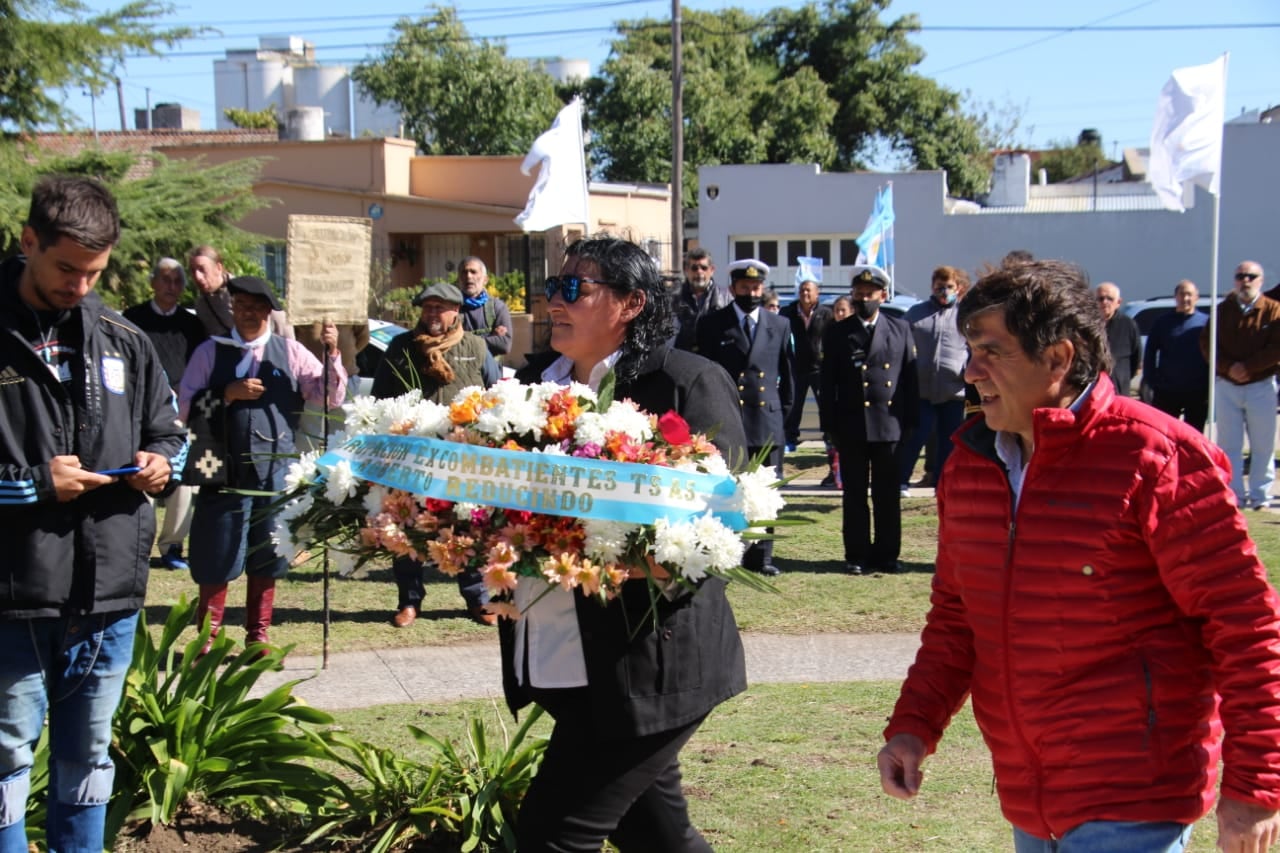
(781, 768)
(792, 767)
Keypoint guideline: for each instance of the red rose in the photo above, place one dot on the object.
(674, 428)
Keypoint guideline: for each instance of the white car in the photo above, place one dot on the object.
(367, 360)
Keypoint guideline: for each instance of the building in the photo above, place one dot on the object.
(1116, 231)
(311, 100)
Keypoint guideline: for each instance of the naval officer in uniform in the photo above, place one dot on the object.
(756, 347)
(867, 405)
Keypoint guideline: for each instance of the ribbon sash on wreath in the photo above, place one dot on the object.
(538, 482)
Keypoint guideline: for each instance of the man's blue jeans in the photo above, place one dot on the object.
(74, 669)
(1110, 836)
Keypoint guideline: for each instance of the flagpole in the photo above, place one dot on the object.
(1212, 422)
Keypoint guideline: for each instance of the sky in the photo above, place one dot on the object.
(1055, 82)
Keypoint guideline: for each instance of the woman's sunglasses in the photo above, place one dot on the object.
(568, 286)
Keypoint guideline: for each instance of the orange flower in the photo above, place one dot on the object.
(499, 579)
(466, 410)
(503, 610)
(562, 568)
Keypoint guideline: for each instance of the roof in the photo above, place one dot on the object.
(140, 142)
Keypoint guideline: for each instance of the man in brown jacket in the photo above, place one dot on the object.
(1245, 383)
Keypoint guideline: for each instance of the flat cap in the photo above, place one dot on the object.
(442, 290)
(748, 268)
(255, 286)
(870, 274)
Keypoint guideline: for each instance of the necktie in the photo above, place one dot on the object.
(748, 327)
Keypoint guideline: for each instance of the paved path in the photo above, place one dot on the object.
(472, 671)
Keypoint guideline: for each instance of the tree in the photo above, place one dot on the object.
(1066, 159)
(178, 205)
(47, 45)
(263, 119)
(458, 95)
(831, 84)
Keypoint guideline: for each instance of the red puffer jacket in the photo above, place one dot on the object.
(1092, 625)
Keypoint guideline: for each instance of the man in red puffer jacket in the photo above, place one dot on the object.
(1097, 595)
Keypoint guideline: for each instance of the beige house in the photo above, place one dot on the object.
(430, 212)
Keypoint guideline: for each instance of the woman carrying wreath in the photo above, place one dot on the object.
(626, 686)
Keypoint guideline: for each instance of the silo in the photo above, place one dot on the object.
(305, 123)
(325, 86)
(245, 82)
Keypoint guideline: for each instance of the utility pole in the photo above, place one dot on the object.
(677, 140)
(124, 123)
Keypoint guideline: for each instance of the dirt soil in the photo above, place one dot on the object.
(202, 828)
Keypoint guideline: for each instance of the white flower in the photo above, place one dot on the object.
(606, 540)
(625, 417)
(676, 547)
(761, 501)
(342, 483)
(283, 539)
(343, 562)
(714, 464)
(303, 472)
(361, 414)
(427, 418)
(722, 546)
(374, 499)
(589, 429)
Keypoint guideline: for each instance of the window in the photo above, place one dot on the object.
(821, 249)
(796, 249)
(848, 253)
(768, 253)
(743, 249)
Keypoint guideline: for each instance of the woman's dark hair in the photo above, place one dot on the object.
(1044, 302)
(626, 268)
(75, 207)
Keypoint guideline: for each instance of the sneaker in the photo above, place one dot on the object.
(172, 560)
(904, 491)
(791, 447)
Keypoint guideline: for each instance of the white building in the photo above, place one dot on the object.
(780, 212)
(312, 100)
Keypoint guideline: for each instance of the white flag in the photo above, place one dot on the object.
(559, 195)
(1186, 141)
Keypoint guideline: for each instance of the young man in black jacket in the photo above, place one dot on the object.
(82, 395)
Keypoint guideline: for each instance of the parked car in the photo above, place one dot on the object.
(895, 307)
(367, 360)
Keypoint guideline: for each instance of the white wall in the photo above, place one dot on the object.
(1145, 252)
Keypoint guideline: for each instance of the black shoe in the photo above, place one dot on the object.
(888, 568)
(852, 569)
(769, 570)
(828, 482)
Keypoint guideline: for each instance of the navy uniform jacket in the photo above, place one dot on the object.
(764, 369)
(869, 383)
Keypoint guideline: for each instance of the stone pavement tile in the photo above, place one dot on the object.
(473, 670)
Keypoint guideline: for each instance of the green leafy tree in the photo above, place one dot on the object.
(1066, 159)
(178, 205)
(458, 95)
(829, 83)
(264, 119)
(48, 45)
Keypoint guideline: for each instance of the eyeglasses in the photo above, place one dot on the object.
(703, 267)
(1107, 299)
(568, 286)
(1246, 276)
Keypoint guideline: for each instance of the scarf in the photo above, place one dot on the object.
(433, 349)
(242, 369)
(476, 301)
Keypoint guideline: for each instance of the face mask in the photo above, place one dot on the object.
(866, 310)
(748, 302)
(948, 298)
